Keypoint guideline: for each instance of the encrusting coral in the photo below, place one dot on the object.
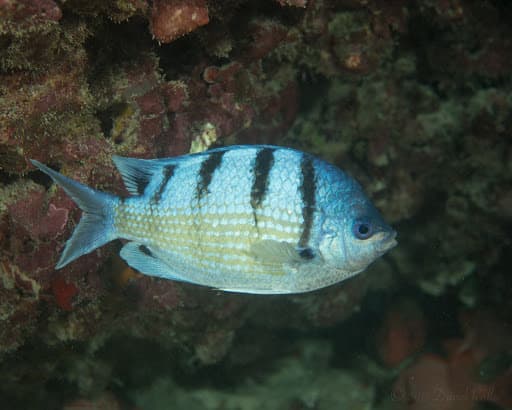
(411, 98)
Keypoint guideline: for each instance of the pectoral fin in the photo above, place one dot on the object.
(270, 251)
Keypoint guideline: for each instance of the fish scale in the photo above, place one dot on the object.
(253, 219)
(202, 221)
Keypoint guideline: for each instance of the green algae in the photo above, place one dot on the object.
(305, 380)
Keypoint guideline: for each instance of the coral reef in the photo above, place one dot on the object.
(301, 380)
(402, 333)
(412, 98)
(171, 19)
(462, 376)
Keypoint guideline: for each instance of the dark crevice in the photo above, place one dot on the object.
(41, 178)
(107, 116)
(116, 44)
(7, 178)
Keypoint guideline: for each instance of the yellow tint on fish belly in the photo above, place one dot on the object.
(210, 242)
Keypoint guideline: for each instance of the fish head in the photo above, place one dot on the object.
(355, 235)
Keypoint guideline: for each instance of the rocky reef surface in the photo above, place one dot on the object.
(413, 98)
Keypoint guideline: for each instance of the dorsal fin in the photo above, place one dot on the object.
(136, 173)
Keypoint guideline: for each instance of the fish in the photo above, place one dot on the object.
(258, 219)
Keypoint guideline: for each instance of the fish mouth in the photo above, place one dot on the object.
(388, 242)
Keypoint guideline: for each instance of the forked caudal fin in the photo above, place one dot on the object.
(96, 225)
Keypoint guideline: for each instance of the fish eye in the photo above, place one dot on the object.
(362, 229)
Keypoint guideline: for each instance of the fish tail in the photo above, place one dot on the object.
(96, 226)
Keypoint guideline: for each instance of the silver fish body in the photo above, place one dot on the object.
(253, 219)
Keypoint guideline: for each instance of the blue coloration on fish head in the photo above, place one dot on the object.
(353, 233)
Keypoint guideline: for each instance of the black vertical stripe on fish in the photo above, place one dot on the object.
(262, 166)
(307, 191)
(208, 167)
(167, 173)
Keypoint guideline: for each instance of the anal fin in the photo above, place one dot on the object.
(143, 259)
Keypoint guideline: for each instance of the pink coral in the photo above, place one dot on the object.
(171, 19)
(175, 95)
(30, 215)
(402, 333)
(64, 293)
(43, 108)
(29, 12)
(450, 382)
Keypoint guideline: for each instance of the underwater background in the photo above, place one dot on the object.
(411, 97)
